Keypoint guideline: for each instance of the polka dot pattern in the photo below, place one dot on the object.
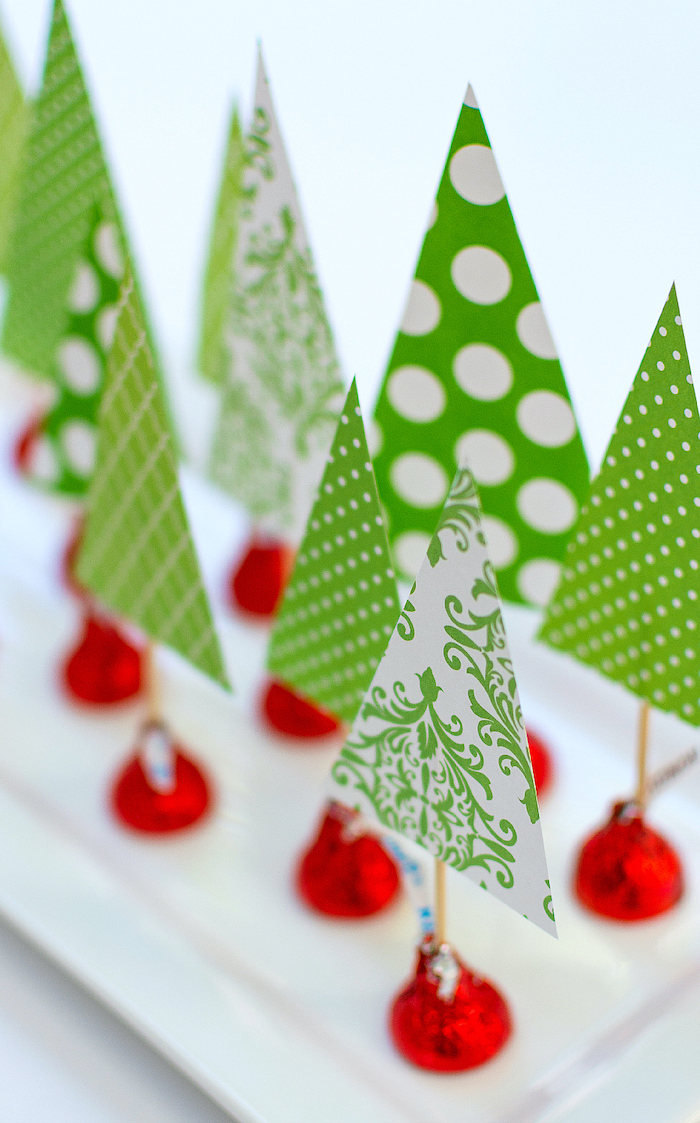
(628, 599)
(341, 604)
(474, 323)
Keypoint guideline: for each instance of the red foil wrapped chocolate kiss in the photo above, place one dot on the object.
(345, 872)
(447, 1019)
(104, 668)
(257, 582)
(160, 789)
(627, 871)
(542, 768)
(293, 715)
(25, 443)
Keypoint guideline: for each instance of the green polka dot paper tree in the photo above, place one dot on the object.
(474, 377)
(137, 554)
(64, 176)
(438, 750)
(214, 357)
(14, 116)
(627, 603)
(341, 604)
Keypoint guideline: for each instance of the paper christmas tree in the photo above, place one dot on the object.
(341, 604)
(474, 377)
(13, 129)
(137, 554)
(628, 597)
(283, 389)
(64, 177)
(64, 454)
(214, 356)
(438, 751)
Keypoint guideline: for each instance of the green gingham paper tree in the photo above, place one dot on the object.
(137, 554)
(64, 176)
(438, 751)
(627, 603)
(282, 393)
(14, 114)
(341, 604)
(474, 377)
(213, 356)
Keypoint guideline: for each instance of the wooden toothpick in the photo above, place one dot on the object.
(641, 794)
(439, 902)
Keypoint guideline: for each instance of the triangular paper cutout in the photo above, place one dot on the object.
(628, 599)
(137, 554)
(14, 119)
(283, 392)
(474, 377)
(438, 751)
(341, 604)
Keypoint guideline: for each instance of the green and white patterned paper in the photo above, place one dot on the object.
(137, 554)
(628, 599)
(341, 603)
(64, 176)
(283, 392)
(214, 356)
(14, 116)
(439, 751)
(63, 457)
(474, 376)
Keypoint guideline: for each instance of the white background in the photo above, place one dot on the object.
(593, 111)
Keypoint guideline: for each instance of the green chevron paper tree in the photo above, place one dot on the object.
(474, 374)
(341, 604)
(14, 115)
(64, 176)
(137, 554)
(438, 751)
(214, 356)
(627, 603)
(283, 389)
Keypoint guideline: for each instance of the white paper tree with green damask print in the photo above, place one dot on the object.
(439, 751)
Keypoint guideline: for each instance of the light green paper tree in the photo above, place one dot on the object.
(214, 356)
(14, 117)
(627, 603)
(283, 389)
(340, 605)
(474, 377)
(64, 175)
(137, 554)
(438, 751)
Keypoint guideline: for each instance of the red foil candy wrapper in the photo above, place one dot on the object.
(141, 807)
(288, 713)
(257, 582)
(627, 871)
(345, 873)
(104, 668)
(447, 1019)
(25, 442)
(542, 768)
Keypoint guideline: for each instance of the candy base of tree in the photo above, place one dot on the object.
(627, 871)
(104, 668)
(294, 716)
(137, 804)
(542, 766)
(447, 1018)
(346, 872)
(257, 582)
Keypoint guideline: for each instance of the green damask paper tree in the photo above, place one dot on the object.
(14, 116)
(627, 603)
(341, 604)
(438, 751)
(137, 554)
(213, 355)
(283, 389)
(474, 376)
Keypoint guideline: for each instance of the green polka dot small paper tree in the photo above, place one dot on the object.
(14, 117)
(474, 376)
(341, 604)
